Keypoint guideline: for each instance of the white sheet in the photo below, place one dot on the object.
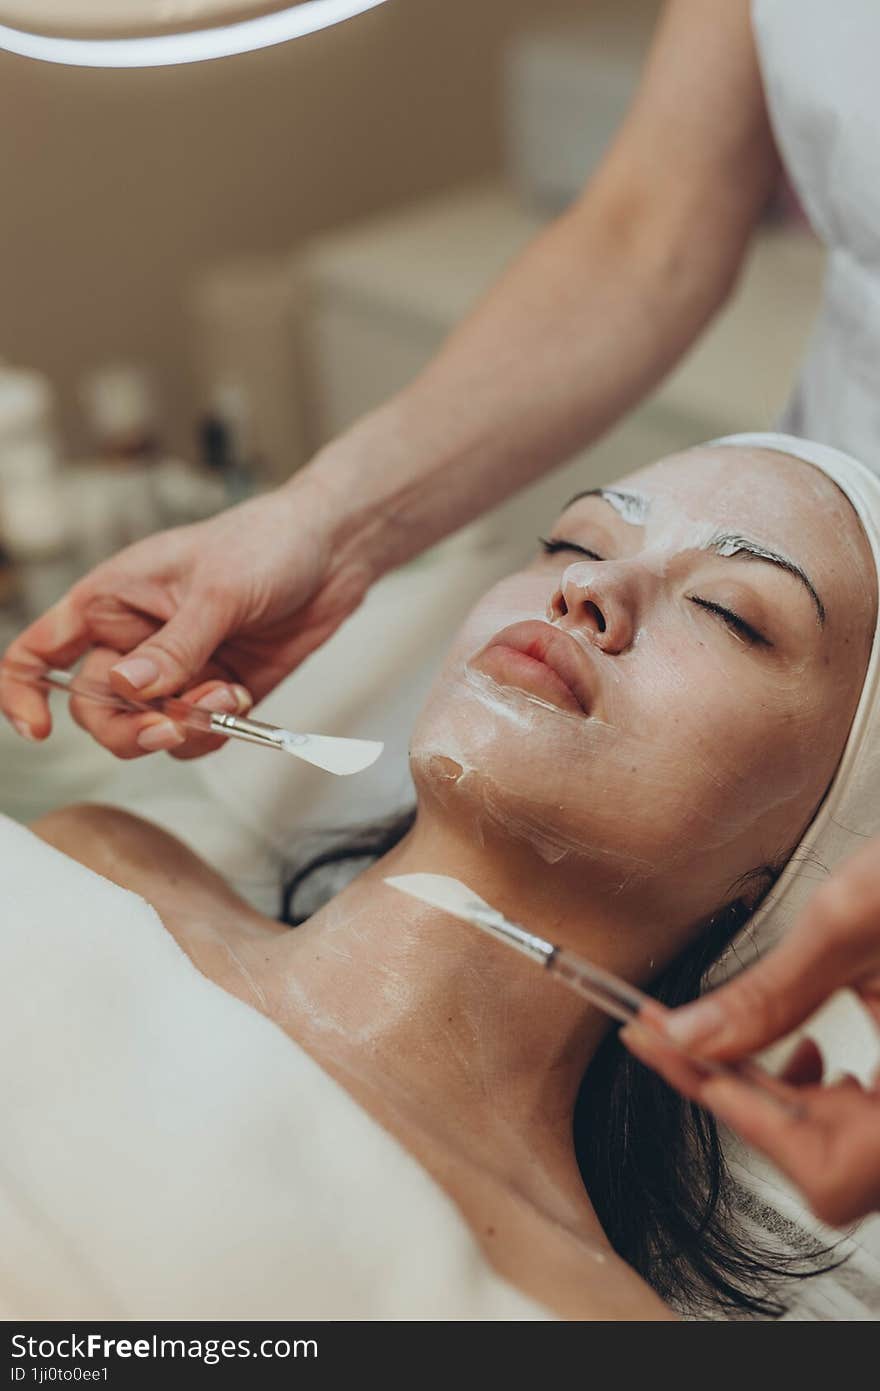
(167, 1152)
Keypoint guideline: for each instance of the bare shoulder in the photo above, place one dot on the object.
(133, 852)
(213, 925)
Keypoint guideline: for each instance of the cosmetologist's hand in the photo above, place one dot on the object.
(220, 611)
(827, 1141)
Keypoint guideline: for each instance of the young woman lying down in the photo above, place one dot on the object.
(628, 742)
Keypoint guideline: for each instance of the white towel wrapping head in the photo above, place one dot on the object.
(848, 815)
(850, 810)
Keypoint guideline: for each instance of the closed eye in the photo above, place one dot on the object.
(557, 543)
(737, 625)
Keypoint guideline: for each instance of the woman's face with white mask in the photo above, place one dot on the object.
(660, 698)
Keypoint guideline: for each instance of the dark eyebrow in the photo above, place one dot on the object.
(729, 544)
(723, 543)
(635, 502)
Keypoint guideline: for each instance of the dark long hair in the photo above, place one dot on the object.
(651, 1161)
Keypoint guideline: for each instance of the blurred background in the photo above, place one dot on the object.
(208, 271)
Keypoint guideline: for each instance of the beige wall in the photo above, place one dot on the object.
(114, 186)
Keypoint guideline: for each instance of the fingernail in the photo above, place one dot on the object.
(694, 1024)
(63, 623)
(161, 735)
(635, 1034)
(137, 671)
(222, 701)
(25, 731)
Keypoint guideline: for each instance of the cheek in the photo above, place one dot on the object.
(745, 735)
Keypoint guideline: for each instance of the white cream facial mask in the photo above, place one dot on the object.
(693, 737)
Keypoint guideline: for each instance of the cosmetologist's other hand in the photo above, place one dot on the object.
(827, 1140)
(220, 611)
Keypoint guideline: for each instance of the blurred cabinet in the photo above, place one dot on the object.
(318, 338)
(246, 316)
(380, 298)
(566, 90)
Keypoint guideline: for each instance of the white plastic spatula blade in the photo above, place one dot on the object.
(443, 892)
(608, 992)
(455, 898)
(339, 756)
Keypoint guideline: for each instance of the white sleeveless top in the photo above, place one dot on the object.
(820, 63)
(821, 68)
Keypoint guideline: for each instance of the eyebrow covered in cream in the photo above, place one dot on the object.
(634, 508)
(731, 544)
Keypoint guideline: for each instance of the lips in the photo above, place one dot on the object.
(536, 657)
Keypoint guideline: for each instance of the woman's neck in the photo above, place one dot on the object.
(457, 1034)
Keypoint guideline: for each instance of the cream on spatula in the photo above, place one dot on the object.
(609, 992)
(334, 755)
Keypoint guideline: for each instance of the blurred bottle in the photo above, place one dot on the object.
(8, 580)
(131, 486)
(35, 530)
(112, 494)
(11, 612)
(226, 441)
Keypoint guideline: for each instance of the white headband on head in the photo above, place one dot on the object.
(847, 1034)
(850, 810)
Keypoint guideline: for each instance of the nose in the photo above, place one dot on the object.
(598, 599)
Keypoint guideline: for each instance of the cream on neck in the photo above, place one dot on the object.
(455, 1034)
